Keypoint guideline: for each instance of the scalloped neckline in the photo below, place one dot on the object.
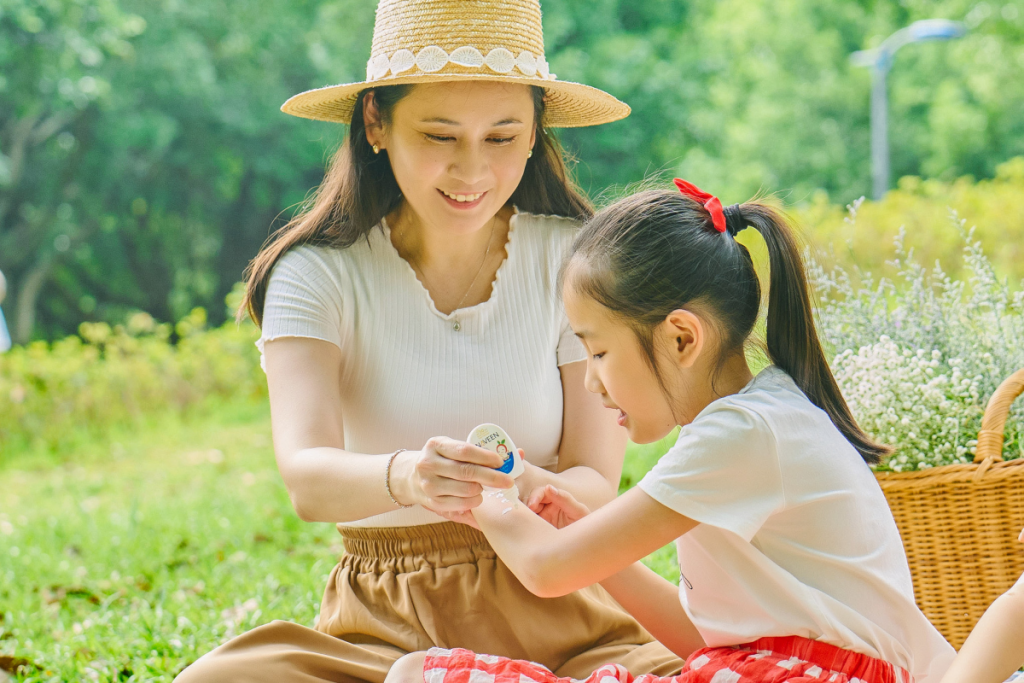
(449, 317)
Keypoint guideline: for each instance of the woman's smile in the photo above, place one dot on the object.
(463, 201)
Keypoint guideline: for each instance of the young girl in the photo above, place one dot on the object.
(792, 566)
(995, 648)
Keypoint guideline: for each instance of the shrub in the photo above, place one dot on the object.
(111, 376)
(921, 208)
(918, 357)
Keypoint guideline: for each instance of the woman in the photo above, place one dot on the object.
(413, 299)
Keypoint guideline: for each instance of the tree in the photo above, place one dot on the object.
(52, 58)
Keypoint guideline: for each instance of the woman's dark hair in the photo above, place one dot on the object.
(359, 189)
(657, 251)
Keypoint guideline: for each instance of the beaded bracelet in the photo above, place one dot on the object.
(387, 479)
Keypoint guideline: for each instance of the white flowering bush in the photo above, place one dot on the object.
(918, 356)
(913, 399)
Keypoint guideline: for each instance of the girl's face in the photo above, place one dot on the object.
(458, 150)
(617, 370)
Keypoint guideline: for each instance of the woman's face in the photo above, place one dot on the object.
(458, 150)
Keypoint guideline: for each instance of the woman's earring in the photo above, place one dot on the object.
(529, 154)
(376, 149)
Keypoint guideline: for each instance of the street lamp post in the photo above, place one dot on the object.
(879, 60)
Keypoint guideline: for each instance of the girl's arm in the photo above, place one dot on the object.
(552, 562)
(592, 448)
(995, 648)
(325, 482)
(654, 602)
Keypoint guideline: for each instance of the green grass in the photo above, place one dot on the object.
(132, 558)
(127, 557)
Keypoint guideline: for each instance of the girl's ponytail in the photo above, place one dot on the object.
(792, 339)
(657, 251)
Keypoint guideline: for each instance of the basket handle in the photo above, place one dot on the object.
(990, 438)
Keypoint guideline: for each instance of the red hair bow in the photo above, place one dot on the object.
(709, 201)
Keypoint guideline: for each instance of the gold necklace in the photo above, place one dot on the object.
(456, 324)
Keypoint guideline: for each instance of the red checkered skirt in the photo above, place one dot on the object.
(769, 660)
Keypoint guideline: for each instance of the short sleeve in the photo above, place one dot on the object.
(723, 471)
(303, 298)
(570, 348)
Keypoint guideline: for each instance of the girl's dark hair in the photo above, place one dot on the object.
(657, 251)
(359, 189)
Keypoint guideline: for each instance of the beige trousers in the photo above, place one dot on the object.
(401, 590)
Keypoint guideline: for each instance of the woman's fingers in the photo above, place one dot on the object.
(446, 505)
(462, 517)
(443, 487)
(464, 452)
(464, 462)
(449, 475)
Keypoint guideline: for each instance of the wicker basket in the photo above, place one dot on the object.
(960, 523)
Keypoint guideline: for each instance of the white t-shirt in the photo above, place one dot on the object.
(795, 537)
(407, 374)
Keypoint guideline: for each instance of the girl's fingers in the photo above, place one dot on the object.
(565, 501)
(1021, 537)
(540, 497)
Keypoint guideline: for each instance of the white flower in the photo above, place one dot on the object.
(918, 357)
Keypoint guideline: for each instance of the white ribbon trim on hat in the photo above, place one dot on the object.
(433, 58)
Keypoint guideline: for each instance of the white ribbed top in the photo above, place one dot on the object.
(407, 375)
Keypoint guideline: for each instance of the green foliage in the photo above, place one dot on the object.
(744, 96)
(863, 241)
(52, 395)
(143, 159)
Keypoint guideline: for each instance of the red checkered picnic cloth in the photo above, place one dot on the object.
(768, 660)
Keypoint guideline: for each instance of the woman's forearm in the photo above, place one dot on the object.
(334, 485)
(654, 602)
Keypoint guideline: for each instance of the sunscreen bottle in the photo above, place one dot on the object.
(493, 438)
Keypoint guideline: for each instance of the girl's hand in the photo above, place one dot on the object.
(1021, 537)
(446, 476)
(555, 506)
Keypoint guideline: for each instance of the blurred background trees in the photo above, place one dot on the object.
(143, 159)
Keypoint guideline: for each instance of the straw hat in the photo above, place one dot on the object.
(436, 41)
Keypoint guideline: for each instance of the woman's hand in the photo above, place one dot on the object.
(446, 476)
(555, 506)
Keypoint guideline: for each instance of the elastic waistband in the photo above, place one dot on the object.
(398, 542)
(832, 658)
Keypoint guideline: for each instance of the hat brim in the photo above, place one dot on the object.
(568, 104)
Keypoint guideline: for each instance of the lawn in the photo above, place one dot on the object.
(129, 557)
